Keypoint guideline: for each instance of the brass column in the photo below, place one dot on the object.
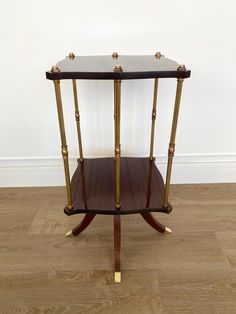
(117, 98)
(64, 150)
(153, 118)
(171, 149)
(77, 117)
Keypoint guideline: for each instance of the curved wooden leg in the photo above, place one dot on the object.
(117, 245)
(83, 225)
(154, 223)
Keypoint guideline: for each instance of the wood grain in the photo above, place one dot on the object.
(191, 271)
(102, 68)
(93, 187)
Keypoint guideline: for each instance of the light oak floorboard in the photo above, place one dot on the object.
(191, 271)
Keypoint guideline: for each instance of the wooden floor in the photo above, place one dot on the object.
(192, 270)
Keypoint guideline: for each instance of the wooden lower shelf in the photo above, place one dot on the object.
(93, 187)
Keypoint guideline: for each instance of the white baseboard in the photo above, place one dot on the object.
(48, 171)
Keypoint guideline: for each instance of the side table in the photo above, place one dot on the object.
(120, 185)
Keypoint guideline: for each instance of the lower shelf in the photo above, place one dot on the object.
(93, 187)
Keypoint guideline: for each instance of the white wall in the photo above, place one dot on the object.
(36, 34)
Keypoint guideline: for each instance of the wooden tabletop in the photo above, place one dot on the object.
(115, 67)
(93, 187)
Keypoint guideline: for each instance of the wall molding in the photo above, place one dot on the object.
(48, 171)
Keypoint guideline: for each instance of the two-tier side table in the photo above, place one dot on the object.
(120, 185)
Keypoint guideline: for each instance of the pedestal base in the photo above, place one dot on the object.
(117, 236)
(142, 191)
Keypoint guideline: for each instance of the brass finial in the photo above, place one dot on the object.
(181, 68)
(71, 56)
(115, 55)
(55, 69)
(158, 55)
(118, 68)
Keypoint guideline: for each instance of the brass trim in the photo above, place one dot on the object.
(77, 118)
(55, 69)
(115, 55)
(118, 68)
(63, 142)
(168, 230)
(71, 56)
(117, 277)
(181, 68)
(153, 118)
(69, 234)
(117, 98)
(158, 55)
(171, 149)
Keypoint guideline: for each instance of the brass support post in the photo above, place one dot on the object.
(64, 150)
(117, 98)
(77, 117)
(171, 149)
(153, 118)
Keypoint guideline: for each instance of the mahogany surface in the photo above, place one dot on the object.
(117, 242)
(102, 68)
(93, 187)
(153, 222)
(83, 225)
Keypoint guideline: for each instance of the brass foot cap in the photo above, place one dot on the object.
(117, 277)
(168, 230)
(69, 234)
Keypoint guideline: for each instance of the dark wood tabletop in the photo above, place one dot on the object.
(93, 187)
(115, 67)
